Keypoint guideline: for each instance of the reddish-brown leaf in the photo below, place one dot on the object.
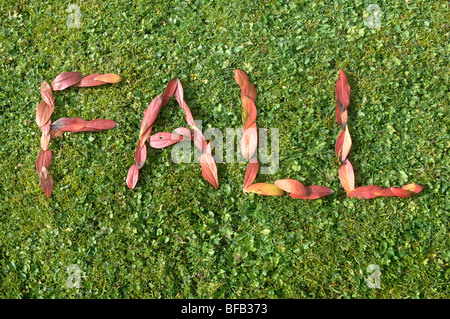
(251, 172)
(249, 141)
(249, 112)
(343, 144)
(264, 189)
(46, 127)
(209, 169)
(164, 139)
(347, 176)
(66, 79)
(240, 77)
(89, 81)
(43, 160)
(132, 177)
(365, 192)
(292, 186)
(47, 96)
(199, 139)
(189, 117)
(43, 113)
(341, 117)
(248, 89)
(45, 139)
(315, 192)
(68, 124)
(179, 94)
(145, 136)
(100, 125)
(140, 155)
(55, 134)
(46, 181)
(108, 78)
(401, 192)
(150, 114)
(342, 91)
(169, 90)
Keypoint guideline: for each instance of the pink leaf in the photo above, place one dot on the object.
(150, 114)
(132, 177)
(164, 139)
(140, 155)
(292, 186)
(108, 78)
(250, 173)
(249, 141)
(65, 80)
(209, 169)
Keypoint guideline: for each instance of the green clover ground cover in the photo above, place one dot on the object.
(175, 236)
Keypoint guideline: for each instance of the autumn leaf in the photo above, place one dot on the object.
(185, 132)
(343, 144)
(169, 90)
(264, 189)
(65, 80)
(189, 117)
(249, 112)
(248, 89)
(108, 78)
(199, 139)
(45, 139)
(89, 81)
(292, 186)
(342, 91)
(314, 191)
(209, 169)
(100, 125)
(55, 134)
(414, 188)
(150, 114)
(179, 94)
(240, 77)
(365, 192)
(164, 139)
(46, 181)
(43, 113)
(251, 172)
(140, 155)
(75, 124)
(43, 160)
(145, 136)
(341, 117)
(132, 177)
(347, 176)
(249, 141)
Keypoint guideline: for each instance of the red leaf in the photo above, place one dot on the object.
(385, 192)
(47, 95)
(240, 77)
(132, 177)
(347, 176)
(185, 132)
(249, 141)
(46, 181)
(343, 144)
(169, 90)
(292, 186)
(150, 114)
(264, 189)
(145, 136)
(315, 192)
(100, 125)
(401, 192)
(140, 155)
(250, 173)
(45, 139)
(415, 188)
(189, 117)
(65, 80)
(55, 134)
(209, 169)
(341, 117)
(89, 81)
(249, 112)
(248, 89)
(179, 94)
(43, 113)
(365, 192)
(164, 139)
(43, 160)
(199, 139)
(108, 78)
(75, 124)
(342, 92)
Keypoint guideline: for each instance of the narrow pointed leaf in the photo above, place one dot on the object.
(179, 94)
(341, 117)
(101, 124)
(384, 192)
(150, 114)
(249, 112)
(199, 139)
(145, 136)
(240, 77)
(89, 81)
(264, 189)
(46, 182)
(401, 192)
(43, 160)
(164, 139)
(69, 124)
(248, 89)
(347, 176)
(185, 132)
(292, 186)
(342, 91)
(343, 144)
(315, 192)
(250, 173)
(65, 80)
(249, 141)
(209, 169)
(365, 192)
(108, 78)
(45, 139)
(415, 188)
(47, 95)
(169, 91)
(43, 113)
(140, 155)
(132, 177)
(189, 117)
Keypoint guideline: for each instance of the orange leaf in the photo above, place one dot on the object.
(365, 192)
(132, 177)
(347, 176)
(249, 112)
(341, 117)
(108, 78)
(292, 186)
(315, 192)
(150, 114)
(169, 90)
(264, 189)
(43, 113)
(65, 80)
(249, 141)
(401, 192)
(343, 144)
(415, 188)
(164, 139)
(140, 155)
(43, 160)
(251, 172)
(46, 181)
(248, 89)
(240, 77)
(342, 92)
(209, 169)
(47, 96)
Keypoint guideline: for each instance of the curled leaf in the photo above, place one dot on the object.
(169, 90)
(164, 139)
(342, 91)
(250, 173)
(145, 136)
(150, 114)
(365, 192)
(179, 94)
(264, 189)
(140, 155)
(199, 139)
(292, 186)
(249, 112)
(209, 169)
(108, 78)
(132, 177)
(248, 89)
(347, 176)
(341, 117)
(43, 160)
(240, 77)
(249, 141)
(314, 192)
(343, 144)
(65, 80)
(47, 95)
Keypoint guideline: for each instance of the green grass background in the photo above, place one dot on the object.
(175, 236)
